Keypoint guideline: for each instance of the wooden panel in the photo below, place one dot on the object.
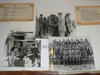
(28, 73)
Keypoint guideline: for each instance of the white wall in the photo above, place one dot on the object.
(91, 30)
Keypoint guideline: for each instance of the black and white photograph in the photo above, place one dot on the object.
(22, 53)
(56, 24)
(21, 31)
(71, 53)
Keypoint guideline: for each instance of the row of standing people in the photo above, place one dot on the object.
(55, 25)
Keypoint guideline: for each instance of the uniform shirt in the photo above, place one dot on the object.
(61, 24)
(40, 22)
(68, 23)
(35, 51)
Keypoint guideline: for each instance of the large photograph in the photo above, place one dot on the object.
(22, 53)
(71, 53)
(58, 24)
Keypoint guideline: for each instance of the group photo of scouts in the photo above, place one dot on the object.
(72, 52)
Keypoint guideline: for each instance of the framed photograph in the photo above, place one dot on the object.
(71, 53)
(56, 24)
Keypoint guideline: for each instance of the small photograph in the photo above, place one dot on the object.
(71, 53)
(57, 24)
(21, 31)
(22, 53)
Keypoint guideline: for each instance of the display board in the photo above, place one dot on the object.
(40, 28)
(16, 12)
(88, 15)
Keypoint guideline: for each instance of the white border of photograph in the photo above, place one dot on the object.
(44, 60)
(76, 37)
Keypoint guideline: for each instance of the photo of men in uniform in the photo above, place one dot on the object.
(22, 53)
(71, 53)
(56, 24)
